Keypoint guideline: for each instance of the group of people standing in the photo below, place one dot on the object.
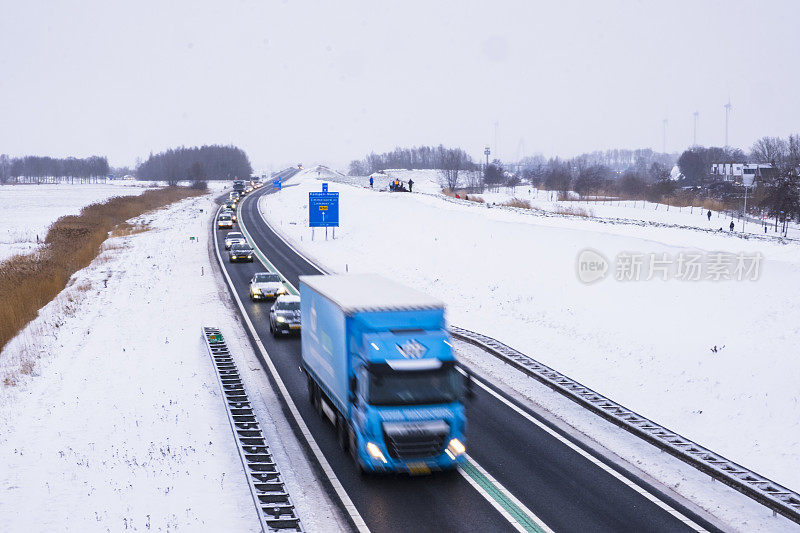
(395, 185)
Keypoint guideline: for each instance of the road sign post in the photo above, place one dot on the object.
(323, 210)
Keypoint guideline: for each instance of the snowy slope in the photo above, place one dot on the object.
(646, 344)
(110, 413)
(610, 210)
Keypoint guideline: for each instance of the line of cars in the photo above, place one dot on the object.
(389, 380)
(284, 315)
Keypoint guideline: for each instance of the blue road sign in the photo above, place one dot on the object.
(324, 187)
(276, 183)
(323, 209)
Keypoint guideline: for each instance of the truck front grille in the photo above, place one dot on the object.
(415, 440)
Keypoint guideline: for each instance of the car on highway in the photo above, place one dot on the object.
(240, 252)
(234, 237)
(230, 212)
(228, 204)
(284, 317)
(266, 285)
(224, 221)
(233, 196)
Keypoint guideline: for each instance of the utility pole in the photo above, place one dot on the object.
(744, 218)
(496, 129)
(694, 139)
(728, 108)
(664, 143)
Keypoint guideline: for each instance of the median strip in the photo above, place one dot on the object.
(516, 513)
(264, 261)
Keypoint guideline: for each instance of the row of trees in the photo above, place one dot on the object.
(196, 164)
(38, 168)
(418, 157)
(695, 163)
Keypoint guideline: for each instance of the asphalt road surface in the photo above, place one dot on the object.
(562, 487)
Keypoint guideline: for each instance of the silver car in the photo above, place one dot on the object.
(284, 317)
(266, 285)
(234, 237)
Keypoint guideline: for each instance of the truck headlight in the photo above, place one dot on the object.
(281, 290)
(455, 448)
(280, 319)
(375, 452)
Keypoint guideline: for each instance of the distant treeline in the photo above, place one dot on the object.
(422, 157)
(196, 164)
(33, 168)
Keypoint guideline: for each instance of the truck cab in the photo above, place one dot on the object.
(381, 367)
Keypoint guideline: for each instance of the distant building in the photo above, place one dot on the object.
(741, 173)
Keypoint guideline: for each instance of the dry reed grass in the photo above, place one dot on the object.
(29, 282)
(517, 202)
(574, 211)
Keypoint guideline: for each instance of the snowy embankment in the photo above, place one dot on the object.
(713, 360)
(27, 211)
(114, 420)
(609, 210)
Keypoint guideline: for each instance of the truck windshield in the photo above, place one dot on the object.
(405, 388)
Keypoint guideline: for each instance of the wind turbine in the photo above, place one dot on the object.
(728, 108)
(696, 114)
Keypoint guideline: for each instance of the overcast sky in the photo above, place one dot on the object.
(304, 81)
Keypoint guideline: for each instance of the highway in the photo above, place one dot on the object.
(552, 476)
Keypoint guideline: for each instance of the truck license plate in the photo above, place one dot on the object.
(416, 469)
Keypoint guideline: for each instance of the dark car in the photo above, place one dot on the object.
(240, 252)
(284, 317)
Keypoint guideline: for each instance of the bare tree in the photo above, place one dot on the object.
(451, 163)
(769, 150)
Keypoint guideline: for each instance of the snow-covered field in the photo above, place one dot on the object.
(713, 360)
(115, 420)
(26, 211)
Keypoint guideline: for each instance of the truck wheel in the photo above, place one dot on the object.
(353, 448)
(342, 433)
(311, 386)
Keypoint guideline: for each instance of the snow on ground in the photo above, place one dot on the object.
(691, 486)
(26, 211)
(116, 421)
(713, 360)
(613, 210)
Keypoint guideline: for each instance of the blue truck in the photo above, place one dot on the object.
(380, 366)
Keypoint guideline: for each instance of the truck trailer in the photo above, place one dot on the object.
(380, 366)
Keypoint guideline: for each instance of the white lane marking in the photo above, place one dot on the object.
(600, 464)
(496, 504)
(350, 508)
(286, 241)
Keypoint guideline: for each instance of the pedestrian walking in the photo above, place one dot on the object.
(371, 181)
(709, 215)
(410, 185)
(731, 225)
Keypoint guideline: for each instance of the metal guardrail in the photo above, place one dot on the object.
(763, 490)
(276, 511)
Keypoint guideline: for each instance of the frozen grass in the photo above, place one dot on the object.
(516, 202)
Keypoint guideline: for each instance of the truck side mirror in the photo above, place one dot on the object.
(468, 392)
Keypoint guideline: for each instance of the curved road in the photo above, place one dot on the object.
(566, 488)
